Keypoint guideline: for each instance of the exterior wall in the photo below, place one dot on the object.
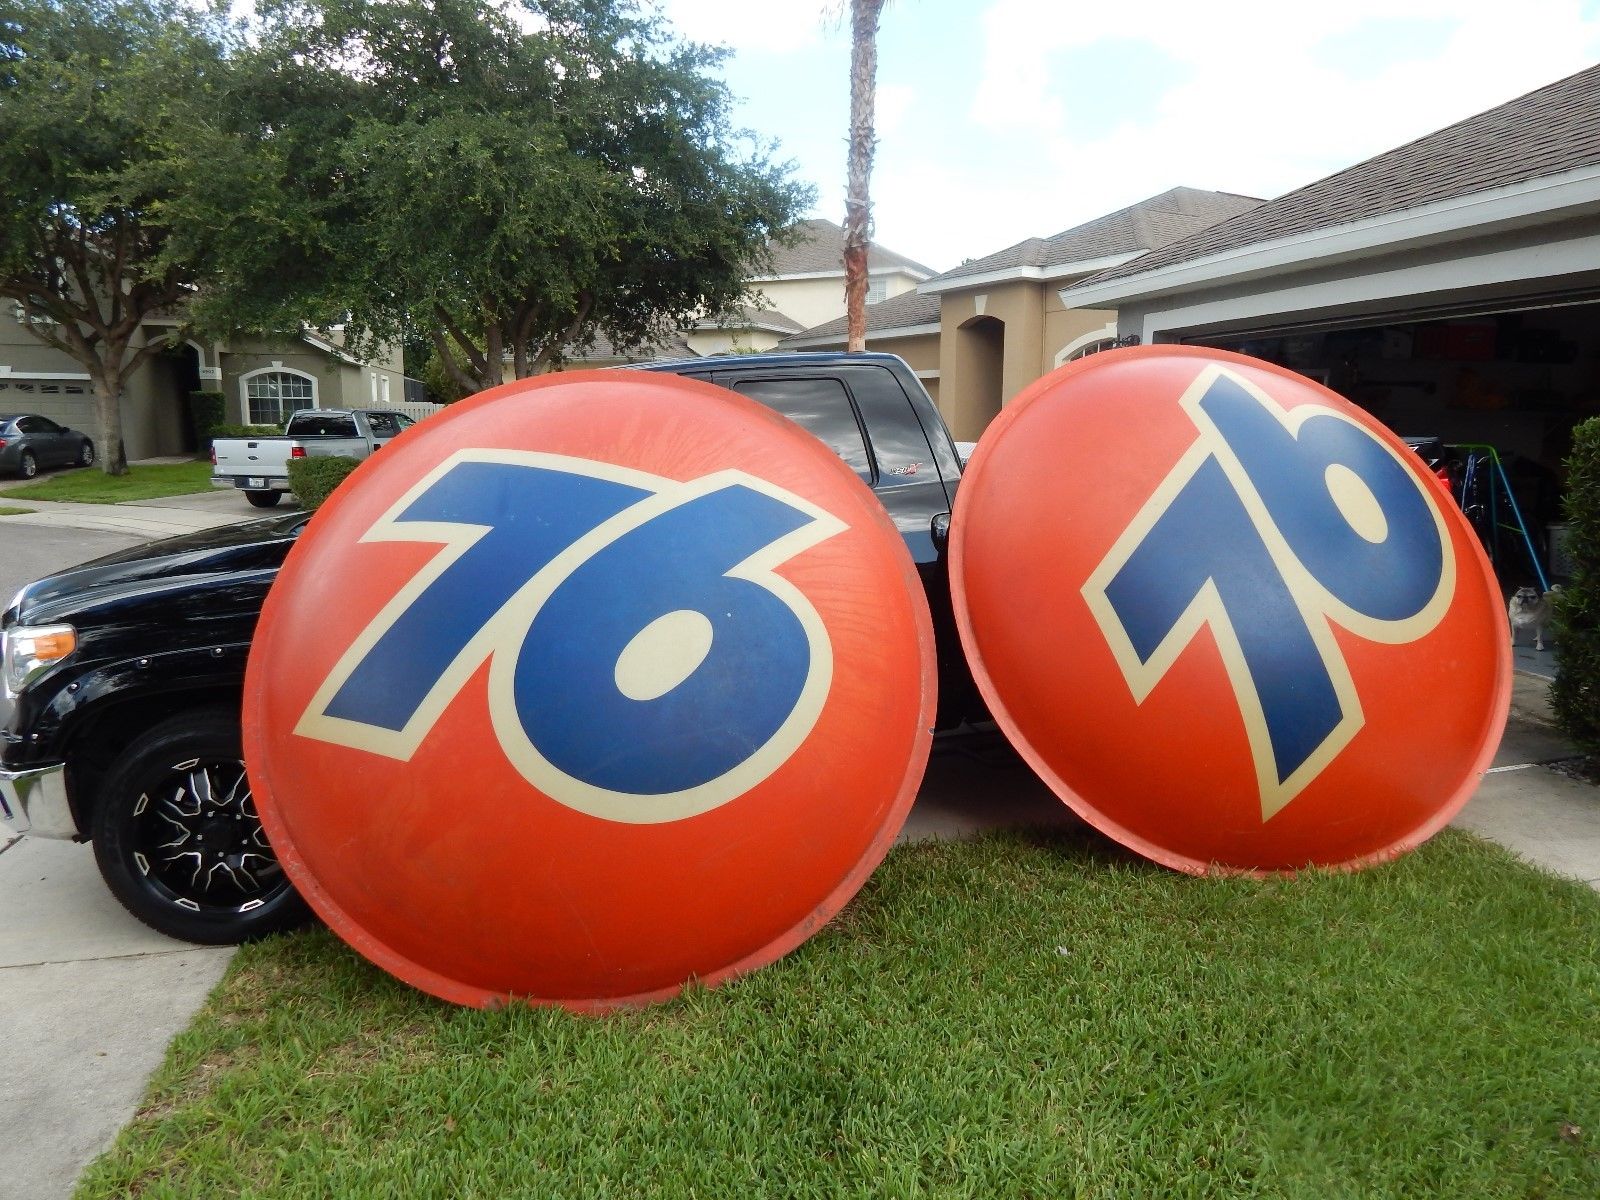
(237, 362)
(155, 420)
(38, 378)
(1065, 329)
(155, 417)
(989, 350)
(808, 301)
(921, 353)
(338, 384)
(732, 341)
(814, 302)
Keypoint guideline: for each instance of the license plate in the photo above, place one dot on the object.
(254, 481)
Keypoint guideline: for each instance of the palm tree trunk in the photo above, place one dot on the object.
(858, 204)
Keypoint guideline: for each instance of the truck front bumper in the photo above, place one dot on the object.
(35, 802)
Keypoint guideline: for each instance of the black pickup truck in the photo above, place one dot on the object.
(120, 712)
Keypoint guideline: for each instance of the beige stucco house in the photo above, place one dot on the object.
(262, 380)
(803, 287)
(977, 335)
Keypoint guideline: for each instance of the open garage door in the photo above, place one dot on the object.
(1516, 378)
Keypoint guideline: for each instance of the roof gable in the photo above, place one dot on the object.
(905, 311)
(1153, 222)
(819, 250)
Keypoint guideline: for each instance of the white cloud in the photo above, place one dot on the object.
(893, 103)
(770, 25)
(1260, 97)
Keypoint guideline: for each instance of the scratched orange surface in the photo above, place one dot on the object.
(1055, 481)
(454, 872)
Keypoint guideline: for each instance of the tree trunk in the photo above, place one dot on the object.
(858, 205)
(108, 416)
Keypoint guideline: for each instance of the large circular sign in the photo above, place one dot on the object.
(1226, 615)
(589, 687)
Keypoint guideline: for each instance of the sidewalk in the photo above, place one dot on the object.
(167, 516)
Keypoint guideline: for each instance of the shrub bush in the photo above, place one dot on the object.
(1575, 696)
(312, 480)
(206, 410)
(243, 431)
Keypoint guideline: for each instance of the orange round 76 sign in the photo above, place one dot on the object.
(1226, 615)
(589, 687)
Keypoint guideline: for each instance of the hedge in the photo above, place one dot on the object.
(312, 480)
(206, 410)
(245, 431)
(1575, 695)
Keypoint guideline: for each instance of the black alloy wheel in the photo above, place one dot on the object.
(179, 840)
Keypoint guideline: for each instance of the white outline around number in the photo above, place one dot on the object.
(1318, 607)
(500, 638)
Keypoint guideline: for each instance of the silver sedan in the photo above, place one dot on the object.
(29, 441)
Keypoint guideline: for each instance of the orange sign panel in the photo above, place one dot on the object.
(588, 687)
(1226, 615)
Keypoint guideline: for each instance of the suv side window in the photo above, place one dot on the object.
(821, 407)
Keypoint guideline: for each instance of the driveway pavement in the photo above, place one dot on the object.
(140, 519)
(91, 997)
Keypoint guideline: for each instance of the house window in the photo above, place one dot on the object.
(1091, 348)
(877, 289)
(270, 396)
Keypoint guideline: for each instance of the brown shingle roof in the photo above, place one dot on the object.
(1546, 132)
(1143, 226)
(750, 317)
(671, 346)
(897, 312)
(821, 248)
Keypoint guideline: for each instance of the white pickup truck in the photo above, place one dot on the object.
(259, 467)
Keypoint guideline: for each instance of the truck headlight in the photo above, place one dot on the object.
(31, 649)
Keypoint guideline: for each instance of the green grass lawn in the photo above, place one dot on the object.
(1028, 1015)
(91, 485)
(9, 510)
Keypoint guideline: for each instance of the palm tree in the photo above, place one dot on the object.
(858, 204)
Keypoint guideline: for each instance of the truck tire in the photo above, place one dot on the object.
(264, 499)
(179, 842)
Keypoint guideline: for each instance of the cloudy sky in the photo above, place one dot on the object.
(1005, 119)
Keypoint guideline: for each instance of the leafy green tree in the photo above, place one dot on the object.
(95, 97)
(516, 178)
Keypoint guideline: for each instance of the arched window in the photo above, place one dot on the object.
(1089, 343)
(272, 393)
(1091, 348)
